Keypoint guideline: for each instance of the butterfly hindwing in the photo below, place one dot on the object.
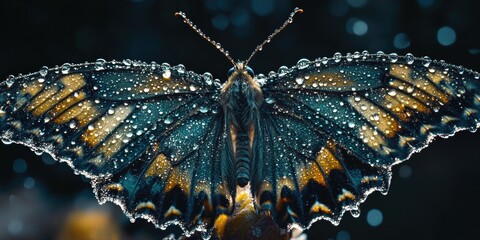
(150, 137)
(331, 129)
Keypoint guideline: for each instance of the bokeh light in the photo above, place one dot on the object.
(374, 217)
(401, 41)
(446, 36)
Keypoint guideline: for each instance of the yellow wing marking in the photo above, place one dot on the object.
(159, 167)
(327, 160)
(32, 88)
(328, 80)
(383, 121)
(405, 73)
(308, 172)
(66, 103)
(160, 84)
(71, 83)
(84, 112)
(178, 177)
(97, 131)
(115, 141)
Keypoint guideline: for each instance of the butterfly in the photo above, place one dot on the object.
(302, 144)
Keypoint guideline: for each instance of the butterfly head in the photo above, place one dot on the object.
(240, 68)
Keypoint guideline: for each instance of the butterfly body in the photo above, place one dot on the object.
(241, 98)
(308, 142)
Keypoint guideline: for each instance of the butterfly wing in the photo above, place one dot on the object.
(150, 137)
(331, 130)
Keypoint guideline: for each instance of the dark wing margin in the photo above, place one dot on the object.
(149, 136)
(332, 129)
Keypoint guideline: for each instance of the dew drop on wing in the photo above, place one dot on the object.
(261, 79)
(426, 61)
(355, 212)
(43, 71)
(324, 60)
(65, 69)
(409, 58)
(337, 57)
(10, 80)
(100, 64)
(127, 62)
(180, 68)
(168, 120)
(303, 63)
(393, 57)
(208, 78)
(282, 71)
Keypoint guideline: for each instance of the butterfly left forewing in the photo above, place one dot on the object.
(335, 128)
(150, 137)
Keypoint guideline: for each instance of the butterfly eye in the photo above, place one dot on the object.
(250, 71)
(230, 72)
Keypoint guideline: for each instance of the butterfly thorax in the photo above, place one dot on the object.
(241, 100)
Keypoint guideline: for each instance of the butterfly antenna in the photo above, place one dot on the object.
(285, 24)
(204, 36)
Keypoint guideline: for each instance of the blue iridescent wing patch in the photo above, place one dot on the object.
(331, 129)
(149, 136)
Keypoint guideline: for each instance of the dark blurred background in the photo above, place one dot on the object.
(433, 195)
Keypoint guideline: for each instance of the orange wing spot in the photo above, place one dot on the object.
(398, 105)
(105, 125)
(159, 167)
(405, 73)
(326, 80)
(346, 195)
(145, 205)
(376, 116)
(308, 172)
(327, 161)
(368, 179)
(32, 88)
(66, 103)
(114, 187)
(320, 207)
(172, 212)
(157, 84)
(180, 178)
(220, 224)
(71, 83)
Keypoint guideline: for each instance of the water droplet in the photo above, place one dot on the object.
(168, 120)
(192, 88)
(146, 90)
(10, 80)
(41, 80)
(65, 69)
(357, 99)
(337, 57)
(7, 141)
(393, 57)
(426, 61)
(43, 71)
(460, 69)
(269, 100)
(261, 79)
(204, 109)
(392, 92)
(100, 64)
(351, 125)
(299, 80)
(376, 117)
(355, 212)
(111, 111)
(127, 62)
(166, 74)
(72, 125)
(282, 71)
(180, 68)
(409, 58)
(165, 66)
(208, 78)
(349, 57)
(324, 60)
(303, 63)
